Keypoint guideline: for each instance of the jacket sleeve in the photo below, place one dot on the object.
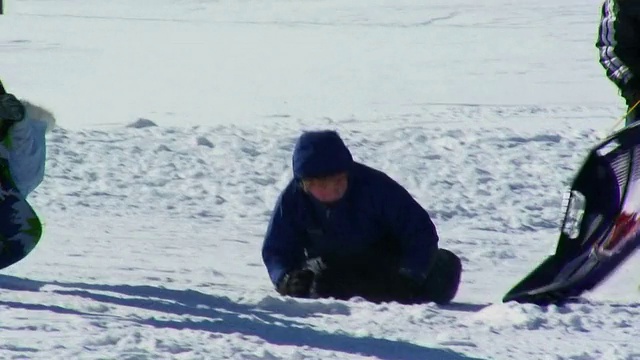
(282, 249)
(408, 222)
(26, 148)
(619, 43)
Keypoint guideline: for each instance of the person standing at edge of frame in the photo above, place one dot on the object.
(23, 126)
(619, 45)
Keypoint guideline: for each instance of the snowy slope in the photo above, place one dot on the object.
(153, 233)
(203, 62)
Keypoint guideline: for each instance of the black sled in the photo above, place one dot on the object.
(601, 226)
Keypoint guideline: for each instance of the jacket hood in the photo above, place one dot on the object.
(319, 154)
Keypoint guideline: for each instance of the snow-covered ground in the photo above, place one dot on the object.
(483, 110)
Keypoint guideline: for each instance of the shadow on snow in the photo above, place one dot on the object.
(219, 314)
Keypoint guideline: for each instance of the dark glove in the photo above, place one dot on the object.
(296, 283)
(11, 109)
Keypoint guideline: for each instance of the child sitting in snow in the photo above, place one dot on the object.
(341, 229)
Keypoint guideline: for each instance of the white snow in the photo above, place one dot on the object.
(176, 126)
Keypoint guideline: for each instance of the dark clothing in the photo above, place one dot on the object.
(386, 284)
(357, 229)
(619, 45)
(376, 224)
(633, 116)
(444, 278)
(319, 154)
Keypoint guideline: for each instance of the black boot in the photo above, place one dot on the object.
(443, 280)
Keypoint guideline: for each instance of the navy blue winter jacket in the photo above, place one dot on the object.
(376, 223)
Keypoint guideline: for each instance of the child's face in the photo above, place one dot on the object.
(327, 189)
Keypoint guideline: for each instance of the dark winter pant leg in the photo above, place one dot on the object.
(632, 97)
(633, 116)
(443, 280)
(372, 285)
(334, 283)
